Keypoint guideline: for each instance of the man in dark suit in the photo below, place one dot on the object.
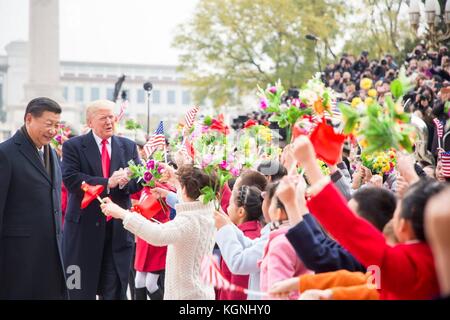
(31, 264)
(102, 249)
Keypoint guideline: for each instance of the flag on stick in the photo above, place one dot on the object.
(156, 140)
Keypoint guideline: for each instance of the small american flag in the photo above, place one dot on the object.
(189, 118)
(439, 128)
(445, 159)
(123, 107)
(156, 140)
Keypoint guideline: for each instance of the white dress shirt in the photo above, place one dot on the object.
(99, 140)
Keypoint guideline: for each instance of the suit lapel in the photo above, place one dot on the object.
(92, 153)
(116, 155)
(30, 154)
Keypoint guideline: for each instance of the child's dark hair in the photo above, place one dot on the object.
(271, 189)
(375, 205)
(415, 201)
(193, 180)
(272, 168)
(250, 199)
(252, 178)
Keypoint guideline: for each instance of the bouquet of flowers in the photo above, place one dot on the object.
(314, 100)
(317, 96)
(148, 173)
(63, 135)
(380, 162)
(223, 169)
(215, 157)
(286, 115)
(380, 128)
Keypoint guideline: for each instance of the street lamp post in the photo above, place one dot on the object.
(148, 87)
(433, 18)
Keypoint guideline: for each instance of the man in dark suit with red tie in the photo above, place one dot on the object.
(101, 249)
(31, 264)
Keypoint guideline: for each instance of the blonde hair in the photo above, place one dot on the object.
(94, 106)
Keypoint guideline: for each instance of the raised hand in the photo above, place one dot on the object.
(316, 295)
(221, 219)
(306, 156)
(405, 166)
(284, 288)
(109, 208)
(162, 193)
(286, 191)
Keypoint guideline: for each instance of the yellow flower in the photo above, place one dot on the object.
(364, 144)
(372, 93)
(369, 101)
(399, 108)
(356, 102)
(366, 84)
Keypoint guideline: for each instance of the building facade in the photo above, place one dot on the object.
(82, 82)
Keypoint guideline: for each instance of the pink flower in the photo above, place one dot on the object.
(273, 90)
(207, 160)
(59, 139)
(234, 172)
(223, 165)
(296, 103)
(151, 164)
(303, 105)
(263, 104)
(148, 176)
(205, 129)
(160, 170)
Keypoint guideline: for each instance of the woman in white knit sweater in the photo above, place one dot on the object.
(189, 237)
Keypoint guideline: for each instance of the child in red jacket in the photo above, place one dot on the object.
(245, 211)
(407, 270)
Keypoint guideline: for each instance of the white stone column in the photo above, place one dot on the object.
(43, 77)
(43, 56)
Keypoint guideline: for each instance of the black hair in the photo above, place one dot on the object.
(252, 178)
(375, 205)
(194, 179)
(272, 168)
(415, 201)
(271, 189)
(231, 183)
(250, 199)
(38, 106)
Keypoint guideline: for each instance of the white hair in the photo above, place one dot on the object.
(94, 106)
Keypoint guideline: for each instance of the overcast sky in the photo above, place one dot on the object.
(133, 31)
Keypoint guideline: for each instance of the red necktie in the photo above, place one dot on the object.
(105, 159)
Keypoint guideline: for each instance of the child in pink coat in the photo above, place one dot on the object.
(279, 260)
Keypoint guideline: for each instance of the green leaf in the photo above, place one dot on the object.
(293, 113)
(207, 121)
(397, 89)
(350, 117)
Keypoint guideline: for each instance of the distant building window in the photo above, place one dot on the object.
(1, 100)
(79, 94)
(140, 96)
(156, 97)
(95, 94)
(110, 94)
(171, 99)
(66, 93)
(186, 98)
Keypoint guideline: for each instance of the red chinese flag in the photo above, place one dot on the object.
(149, 204)
(190, 149)
(297, 131)
(327, 143)
(90, 194)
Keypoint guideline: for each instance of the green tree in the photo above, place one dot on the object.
(229, 47)
(379, 27)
